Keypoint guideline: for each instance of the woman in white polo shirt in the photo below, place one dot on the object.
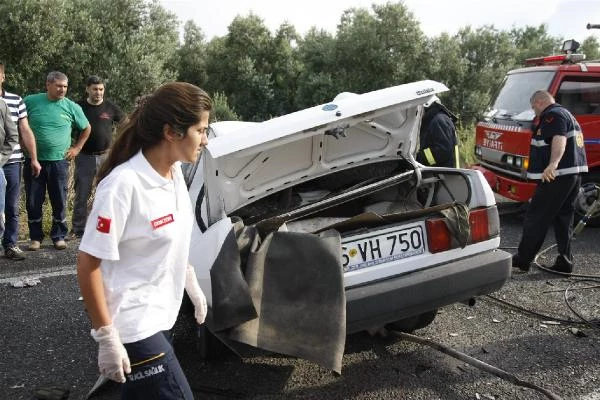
(133, 259)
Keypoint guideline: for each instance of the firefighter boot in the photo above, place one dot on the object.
(562, 264)
(518, 263)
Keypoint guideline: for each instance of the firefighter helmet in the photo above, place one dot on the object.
(432, 99)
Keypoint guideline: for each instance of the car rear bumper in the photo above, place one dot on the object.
(390, 300)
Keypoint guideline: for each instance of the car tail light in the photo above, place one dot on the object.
(484, 223)
(478, 220)
(438, 235)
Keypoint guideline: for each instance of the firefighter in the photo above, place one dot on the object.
(557, 157)
(437, 138)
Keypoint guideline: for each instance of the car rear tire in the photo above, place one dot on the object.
(411, 324)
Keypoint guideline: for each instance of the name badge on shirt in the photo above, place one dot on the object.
(162, 221)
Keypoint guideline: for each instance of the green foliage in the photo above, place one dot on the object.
(134, 52)
(591, 48)
(315, 88)
(487, 54)
(316, 58)
(239, 67)
(443, 62)
(128, 42)
(532, 42)
(221, 110)
(134, 45)
(192, 55)
(258, 71)
(472, 63)
(466, 144)
(29, 42)
(285, 69)
(378, 49)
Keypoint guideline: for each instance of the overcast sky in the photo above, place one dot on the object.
(567, 18)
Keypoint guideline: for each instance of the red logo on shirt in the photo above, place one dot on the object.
(104, 115)
(103, 225)
(549, 119)
(158, 222)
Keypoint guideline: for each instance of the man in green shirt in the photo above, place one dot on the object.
(52, 117)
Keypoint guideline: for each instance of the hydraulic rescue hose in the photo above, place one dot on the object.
(576, 231)
(594, 207)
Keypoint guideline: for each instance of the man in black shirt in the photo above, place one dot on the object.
(556, 159)
(103, 115)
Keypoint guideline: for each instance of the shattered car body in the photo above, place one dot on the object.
(337, 194)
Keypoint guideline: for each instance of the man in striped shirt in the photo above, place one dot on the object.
(12, 170)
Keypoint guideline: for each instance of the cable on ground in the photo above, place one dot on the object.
(476, 363)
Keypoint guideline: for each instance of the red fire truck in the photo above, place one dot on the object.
(504, 134)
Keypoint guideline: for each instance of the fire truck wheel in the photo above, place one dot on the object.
(589, 192)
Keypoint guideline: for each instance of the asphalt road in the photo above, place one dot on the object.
(46, 342)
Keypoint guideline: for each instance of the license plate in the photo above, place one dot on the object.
(382, 246)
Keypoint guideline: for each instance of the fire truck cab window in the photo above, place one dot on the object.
(515, 92)
(579, 97)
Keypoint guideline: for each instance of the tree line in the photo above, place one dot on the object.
(252, 73)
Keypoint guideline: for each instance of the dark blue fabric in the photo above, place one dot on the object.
(12, 173)
(53, 178)
(86, 167)
(2, 194)
(155, 371)
(556, 120)
(552, 205)
(438, 133)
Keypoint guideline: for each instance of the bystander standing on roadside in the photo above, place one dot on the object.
(103, 115)
(52, 116)
(556, 158)
(13, 168)
(133, 258)
(8, 140)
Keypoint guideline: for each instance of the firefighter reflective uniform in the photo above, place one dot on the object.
(437, 138)
(552, 203)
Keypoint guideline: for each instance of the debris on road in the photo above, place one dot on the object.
(25, 282)
(578, 332)
(51, 393)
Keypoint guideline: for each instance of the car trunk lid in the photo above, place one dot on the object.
(247, 161)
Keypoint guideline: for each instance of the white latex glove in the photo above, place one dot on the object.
(195, 294)
(113, 360)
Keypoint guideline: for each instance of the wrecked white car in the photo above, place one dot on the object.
(321, 223)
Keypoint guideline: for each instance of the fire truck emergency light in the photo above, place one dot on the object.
(555, 59)
(570, 46)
